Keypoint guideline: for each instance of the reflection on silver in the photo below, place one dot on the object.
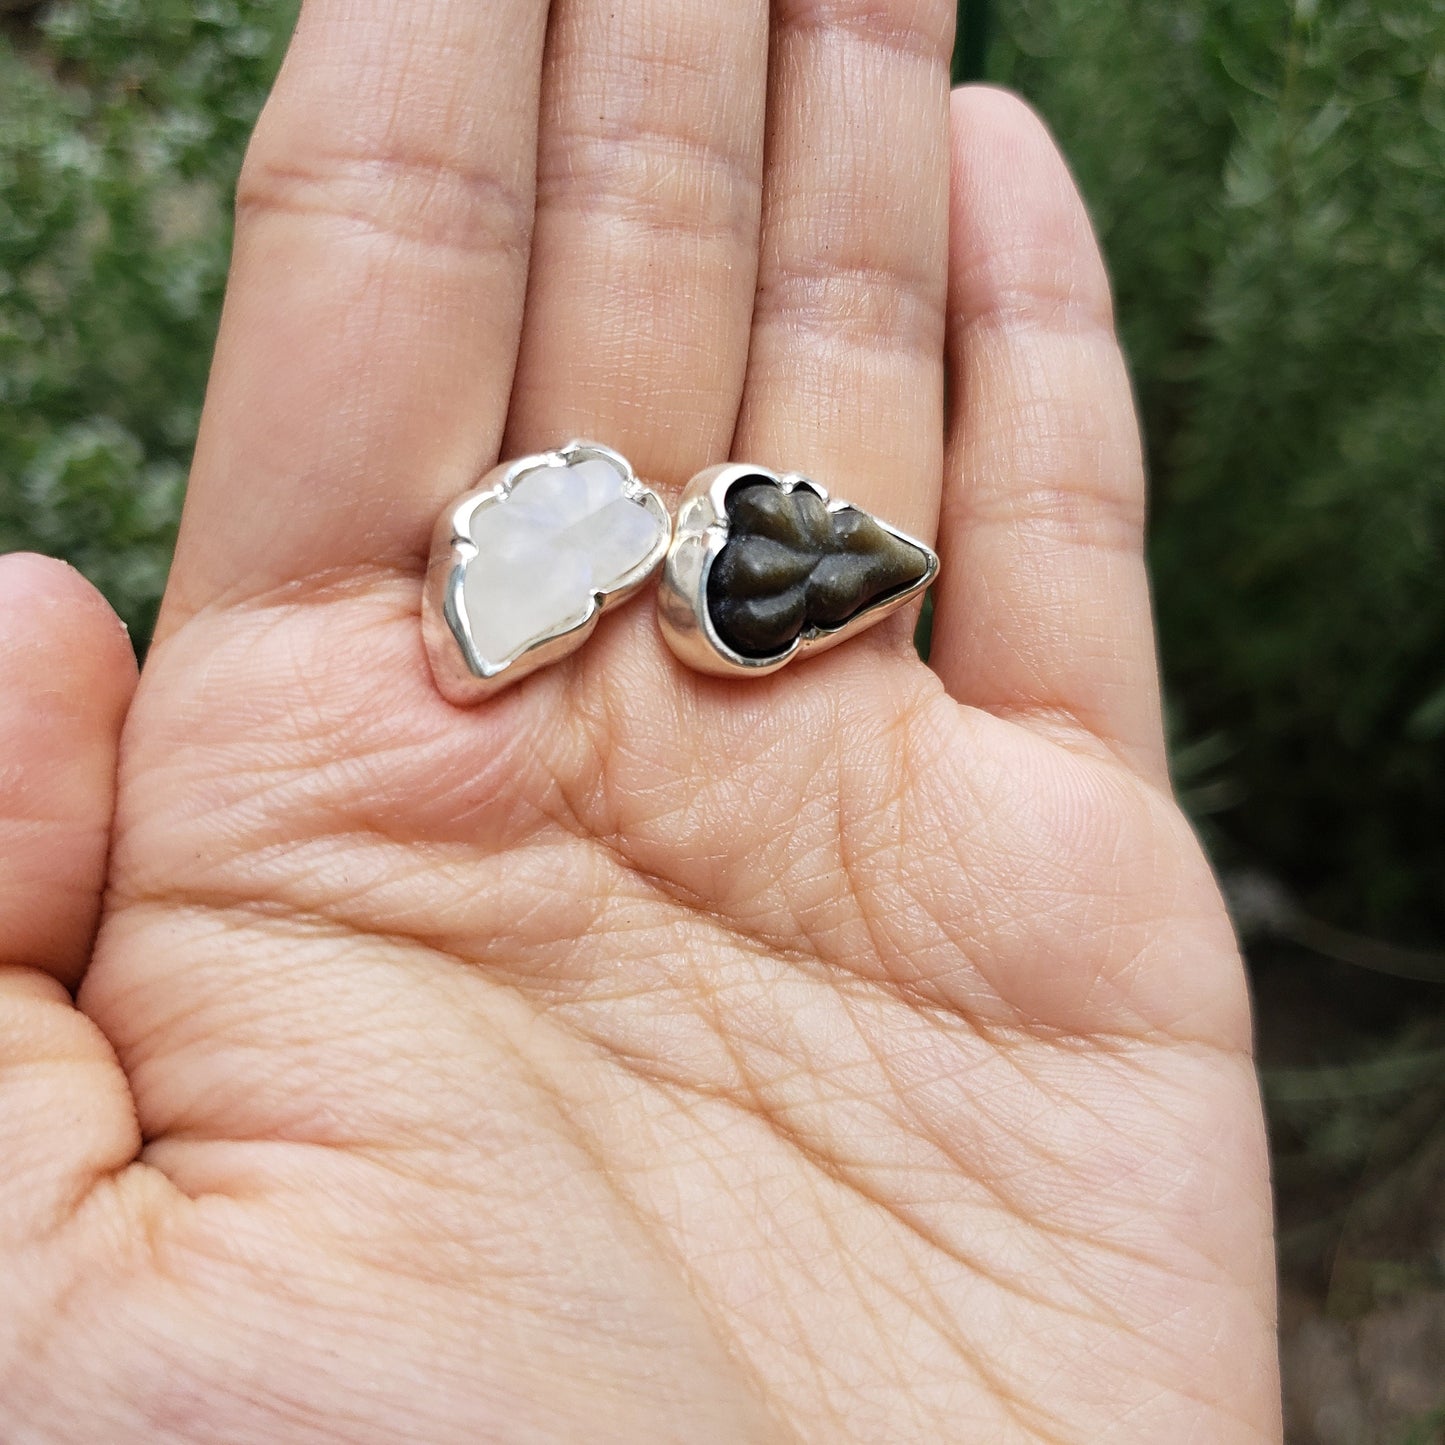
(699, 534)
(543, 580)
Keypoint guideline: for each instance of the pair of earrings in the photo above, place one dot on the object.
(759, 568)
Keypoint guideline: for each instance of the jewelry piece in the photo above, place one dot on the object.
(523, 565)
(763, 567)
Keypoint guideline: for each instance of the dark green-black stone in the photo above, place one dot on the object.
(789, 565)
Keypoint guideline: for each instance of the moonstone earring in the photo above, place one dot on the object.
(523, 565)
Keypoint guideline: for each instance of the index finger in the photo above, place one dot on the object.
(372, 317)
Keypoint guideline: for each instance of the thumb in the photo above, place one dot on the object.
(66, 679)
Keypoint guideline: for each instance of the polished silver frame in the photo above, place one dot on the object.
(462, 676)
(699, 534)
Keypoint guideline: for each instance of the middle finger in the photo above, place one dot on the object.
(645, 247)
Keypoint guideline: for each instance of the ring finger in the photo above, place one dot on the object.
(845, 375)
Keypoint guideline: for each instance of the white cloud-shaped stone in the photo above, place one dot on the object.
(546, 550)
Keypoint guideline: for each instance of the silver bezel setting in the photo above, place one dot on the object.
(700, 532)
(462, 675)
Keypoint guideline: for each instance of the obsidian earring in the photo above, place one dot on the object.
(764, 567)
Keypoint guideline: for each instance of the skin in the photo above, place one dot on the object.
(860, 1054)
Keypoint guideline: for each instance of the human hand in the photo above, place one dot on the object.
(859, 1054)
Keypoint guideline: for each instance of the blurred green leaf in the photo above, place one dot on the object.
(122, 126)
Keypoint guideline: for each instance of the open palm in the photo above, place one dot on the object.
(859, 1054)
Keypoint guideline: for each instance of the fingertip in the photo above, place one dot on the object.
(1022, 242)
(67, 675)
(1004, 109)
(57, 628)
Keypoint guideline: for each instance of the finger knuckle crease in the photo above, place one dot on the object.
(435, 201)
(878, 306)
(667, 181)
(1034, 290)
(909, 29)
(1092, 511)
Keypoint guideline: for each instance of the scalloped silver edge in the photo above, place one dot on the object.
(462, 676)
(700, 533)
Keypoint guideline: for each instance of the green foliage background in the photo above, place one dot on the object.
(1268, 177)
(122, 124)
